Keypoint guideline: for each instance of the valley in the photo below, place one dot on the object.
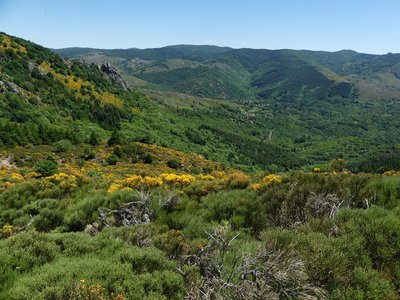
(198, 172)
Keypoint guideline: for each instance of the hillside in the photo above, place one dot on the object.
(318, 104)
(110, 193)
(46, 99)
(244, 74)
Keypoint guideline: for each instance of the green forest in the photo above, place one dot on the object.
(274, 177)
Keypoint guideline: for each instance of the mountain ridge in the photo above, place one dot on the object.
(245, 73)
(223, 47)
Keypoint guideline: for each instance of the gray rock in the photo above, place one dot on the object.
(113, 73)
(9, 86)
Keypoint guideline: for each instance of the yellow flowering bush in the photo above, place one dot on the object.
(255, 186)
(177, 180)
(266, 181)
(17, 177)
(137, 181)
(116, 186)
(110, 176)
(83, 291)
(152, 181)
(134, 182)
(7, 185)
(64, 181)
(218, 174)
(206, 177)
(8, 44)
(33, 175)
(3, 171)
(237, 180)
(6, 231)
(74, 83)
(272, 178)
(391, 173)
(316, 170)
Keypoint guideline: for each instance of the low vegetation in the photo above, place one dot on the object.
(90, 230)
(114, 194)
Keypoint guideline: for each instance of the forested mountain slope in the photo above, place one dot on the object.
(46, 99)
(298, 110)
(318, 104)
(252, 74)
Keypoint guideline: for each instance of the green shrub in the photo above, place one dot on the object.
(94, 139)
(237, 207)
(148, 159)
(48, 219)
(63, 145)
(112, 160)
(46, 167)
(61, 266)
(84, 212)
(173, 164)
(386, 190)
(88, 153)
(115, 138)
(366, 284)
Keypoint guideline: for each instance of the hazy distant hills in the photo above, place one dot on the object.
(245, 74)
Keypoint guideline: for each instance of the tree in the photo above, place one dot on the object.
(94, 139)
(115, 138)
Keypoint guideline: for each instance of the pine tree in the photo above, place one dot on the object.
(115, 138)
(94, 139)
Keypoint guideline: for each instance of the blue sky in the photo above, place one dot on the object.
(370, 26)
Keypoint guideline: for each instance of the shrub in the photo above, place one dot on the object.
(118, 152)
(366, 284)
(235, 206)
(112, 160)
(46, 167)
(237, 180)
(115, 138)
(338, 165)
(148, 159)
(94, 139)
(63, 145)
(173, 164)
(173, 243)
(48, 220)
(88, 153)
(7, 231)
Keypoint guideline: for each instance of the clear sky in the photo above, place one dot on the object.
(371, 26)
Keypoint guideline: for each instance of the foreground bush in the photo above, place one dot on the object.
(56, 266)
(170, 236)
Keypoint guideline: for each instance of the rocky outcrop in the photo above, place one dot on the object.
(113, 73)
(7, 86)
